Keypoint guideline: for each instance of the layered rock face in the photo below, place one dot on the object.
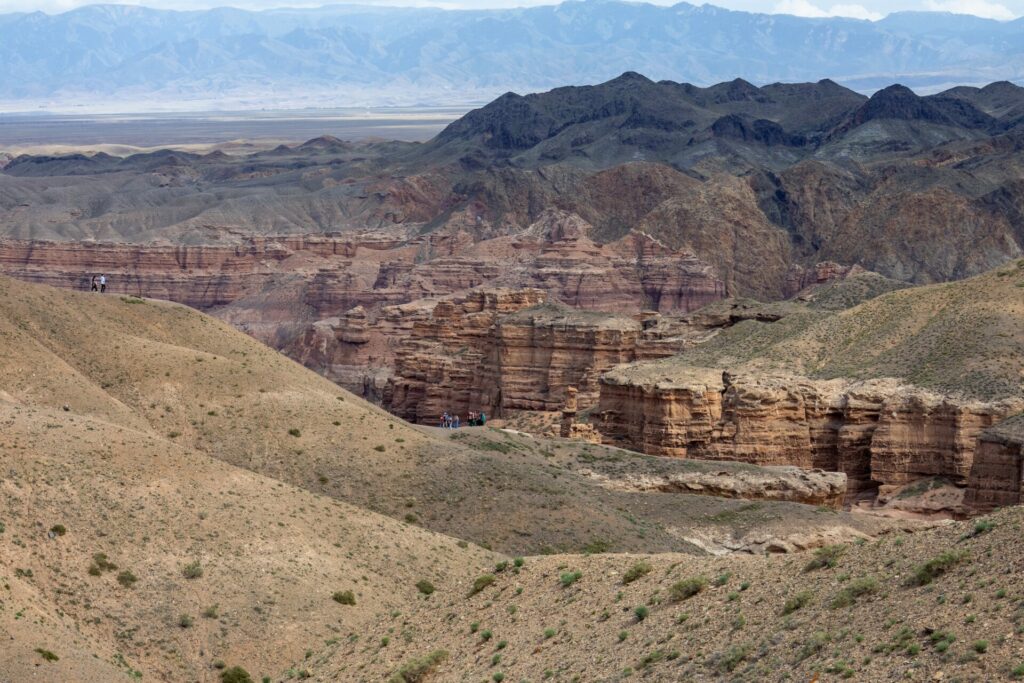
(997, 475)
(879, 433)
(345, 305)
(499, 350)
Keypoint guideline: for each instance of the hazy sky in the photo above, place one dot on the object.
(862, 9)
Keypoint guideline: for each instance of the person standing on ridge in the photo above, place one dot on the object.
(103, 283)
(93, 286)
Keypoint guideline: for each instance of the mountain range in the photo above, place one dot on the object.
(361, 55)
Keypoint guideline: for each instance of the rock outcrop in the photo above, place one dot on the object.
(496, 350)
(996, 479)
(880, 433)
(812, 487)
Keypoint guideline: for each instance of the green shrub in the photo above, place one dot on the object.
(722, 579)
(1017, 671)
(825, 557)
(294, 431)
(813, 645)
(47, 655)
(798, 601)
(596, 547)
(501, 566)
(192, 570)
(569, 578)
(100, 564)
(344, 597)
(733, 656)
(687, 588)
(235, 674)
(519, 562)
(857, 589)
(637, 571)
(211, 612)
(981, 526)
(980, 646)
(418, 669)
(58, 530)
(549, 633)
(185, 621)
(486, 635)
(641, 612)
(424, 586)
(936, 567)
(481, 583)
(498, 677)
(651, 658)
(127, 579)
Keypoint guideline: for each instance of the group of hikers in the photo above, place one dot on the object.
(99, 284)
(449, 421)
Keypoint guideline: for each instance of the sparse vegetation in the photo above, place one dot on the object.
(47, 655)
(344, 597)
(734, 656)
(481, 583)
(936, 567)
(417, 670)
(637, 571)
(235, 674)
(798, 601)
(854, 591)
(192, 570)
(687, 588)
(127, 579)
(825, 557)
(424, 587)
(569, 578)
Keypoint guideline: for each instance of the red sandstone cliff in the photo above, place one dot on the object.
(880, 433)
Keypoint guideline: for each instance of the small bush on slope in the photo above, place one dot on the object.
(418, 669)
(936, 567)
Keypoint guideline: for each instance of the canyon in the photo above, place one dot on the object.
(721, 273)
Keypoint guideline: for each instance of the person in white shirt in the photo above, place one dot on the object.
(103, 283)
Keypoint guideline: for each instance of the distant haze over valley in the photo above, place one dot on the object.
(123, 58)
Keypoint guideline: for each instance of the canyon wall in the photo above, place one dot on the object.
(880, 433)
(495, 350)
(997, 476)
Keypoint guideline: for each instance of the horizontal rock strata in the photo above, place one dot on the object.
(879, 433)
(997, 475)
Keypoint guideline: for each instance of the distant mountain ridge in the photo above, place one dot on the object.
(350, 54)
(741, 126)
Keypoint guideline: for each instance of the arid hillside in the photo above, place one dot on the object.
(963, 338)
(178, 498)
(940, 605)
